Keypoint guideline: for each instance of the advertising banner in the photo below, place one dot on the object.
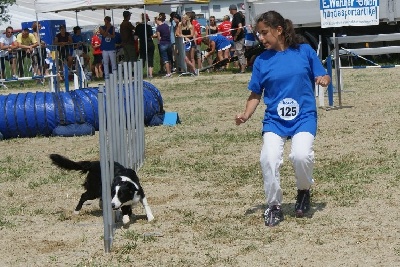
(338, 13)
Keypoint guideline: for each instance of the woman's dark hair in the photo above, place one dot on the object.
(171, 16)
(273, 19)
(162, 17)
(175, 15)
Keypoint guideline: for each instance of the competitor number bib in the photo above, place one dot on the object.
(288, 109)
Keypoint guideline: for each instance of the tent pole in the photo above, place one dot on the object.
(145, 37)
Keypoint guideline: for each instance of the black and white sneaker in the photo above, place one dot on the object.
(302, 205)
(273, 216)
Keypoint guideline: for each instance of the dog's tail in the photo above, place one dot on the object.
(67, 164)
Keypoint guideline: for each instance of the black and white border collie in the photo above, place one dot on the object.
(126, 190)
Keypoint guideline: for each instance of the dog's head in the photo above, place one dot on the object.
(123, 192)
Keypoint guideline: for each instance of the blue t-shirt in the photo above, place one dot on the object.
(286, 81)
(172, 31)
(220, 41)
(107, 43)
(163, 29)
(76, 39)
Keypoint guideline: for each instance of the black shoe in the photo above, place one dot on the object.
(273, 216)
(302, 203)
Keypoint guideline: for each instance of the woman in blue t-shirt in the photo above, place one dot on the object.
(108, 47)
(285, 76)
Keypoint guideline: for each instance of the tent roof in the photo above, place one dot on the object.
(24, 11)
(65, 5)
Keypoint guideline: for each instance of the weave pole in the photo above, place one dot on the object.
(121, 133)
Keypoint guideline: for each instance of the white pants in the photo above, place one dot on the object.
(109, 56)
(271, 159)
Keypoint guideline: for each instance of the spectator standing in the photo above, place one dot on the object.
(97, 54)
(107, 31)
(145, 32)
(63, 41)
(164, 39)
(172, 29)
(197, 37)
(186, 30)
(80, 48)
(127, 30)
(238, 36)
(291, 113)
(8, 46)
(39, 54)
(27, 43)
(212, 28)
(175, 20)
(225, 28)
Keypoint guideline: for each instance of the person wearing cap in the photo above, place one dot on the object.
(238, 36)
(127, 30)
(63, 41)
(79, 44)
(143, 31)
(107, 32)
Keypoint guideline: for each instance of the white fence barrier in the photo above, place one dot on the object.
(337, 41)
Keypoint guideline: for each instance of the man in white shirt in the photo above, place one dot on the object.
(8, 46)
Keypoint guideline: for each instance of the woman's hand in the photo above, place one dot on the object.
(323, 80)
(241, 118)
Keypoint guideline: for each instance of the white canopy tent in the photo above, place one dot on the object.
(65, 5)
(24, 10)
(84, 12)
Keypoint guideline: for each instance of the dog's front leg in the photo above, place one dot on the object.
(146, 206)
(126, 213)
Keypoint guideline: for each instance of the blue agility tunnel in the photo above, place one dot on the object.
(40, 113)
